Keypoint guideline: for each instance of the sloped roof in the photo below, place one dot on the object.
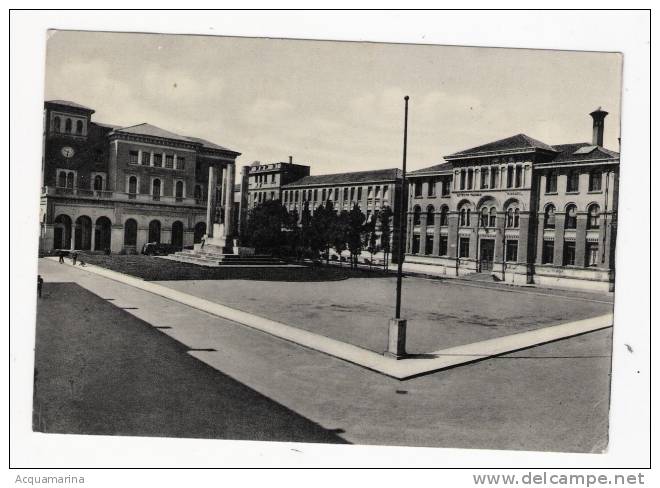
(567, 152)
(152, 131)
(107, 126)
(433, 169)
(346, 178)
(69, 103)
(209, 145)
(513, 143)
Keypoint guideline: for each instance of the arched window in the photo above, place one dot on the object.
(79, 127)
(416, 215)
(57, 124)
(468, 217)
(132, 185)
(462, 220)
(516, 218)
(492, 217)
(444, 212)
(549, 217)
(430, 215)
(69, 180)
(484, 217)
(155, 191)
(154, 231)
(67, 126)
(594, 217)
(130, 232)
(571, 217)
(98, 182)
(178, 191)
(61, 179)
(509, 218)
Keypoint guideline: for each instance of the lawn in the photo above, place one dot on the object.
(152, 268)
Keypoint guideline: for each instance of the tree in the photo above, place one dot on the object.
(355, 223)
(305, 223)
(340, 232)
(264, 226)
(371, 239)
(323, 225)
(385, 216)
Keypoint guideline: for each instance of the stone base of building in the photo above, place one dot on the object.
(521, 274)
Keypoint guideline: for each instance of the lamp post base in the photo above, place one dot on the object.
(396, 346)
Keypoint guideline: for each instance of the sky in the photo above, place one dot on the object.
(337, 106)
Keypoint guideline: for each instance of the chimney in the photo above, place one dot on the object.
(290, 159)
(599, 126)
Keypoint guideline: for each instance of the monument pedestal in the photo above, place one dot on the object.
(219, 238)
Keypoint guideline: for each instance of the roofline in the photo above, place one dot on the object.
(118, 132)
(71, 107)
(294, 185)
(413, 174)
(587, 162)
(504, 152)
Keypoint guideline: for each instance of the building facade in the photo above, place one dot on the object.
(370, 190)
(265, 181)
(519, 209)
(116, 188)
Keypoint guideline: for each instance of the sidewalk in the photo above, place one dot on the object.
(553, 397)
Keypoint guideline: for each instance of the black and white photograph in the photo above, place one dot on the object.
(335, 242)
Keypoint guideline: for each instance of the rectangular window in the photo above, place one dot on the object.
(345, 194)
(595, 181)
(352, 193)
(429, 245)
(509, 176)
(417, 188)
(158, 160)
(272, 178)
(316, 194)
(548, 255)
(464, 247)
(370, 192)
(484, 178)
(592, 254)
(359, 193)
(569, 253)
(336, 194)
(442, 251)
(133, 157)
(462, 179)
(169, 161)
(573, 182)
(551, 182)
(377, 191)
(430, 191)
(323, 195)
(415, 243)
(470, 178)
(146, 158)
(519, 176)
(494, 177)
(512, 250)
(181, 163)
(445, 187)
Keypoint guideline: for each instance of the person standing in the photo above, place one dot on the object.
(74, 258)
(61, 257)
(40, 284)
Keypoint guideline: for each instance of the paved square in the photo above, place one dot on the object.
(441, 314)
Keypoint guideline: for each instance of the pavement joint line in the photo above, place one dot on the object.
(400, 369)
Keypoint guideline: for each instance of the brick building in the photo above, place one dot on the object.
(115, 188)
(521, 210)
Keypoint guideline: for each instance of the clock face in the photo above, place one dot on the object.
(68, 152)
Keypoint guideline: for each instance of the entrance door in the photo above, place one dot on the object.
(486, 255)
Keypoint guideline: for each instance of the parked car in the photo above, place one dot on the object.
(159, 249)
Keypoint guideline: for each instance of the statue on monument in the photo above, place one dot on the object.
(219, 216)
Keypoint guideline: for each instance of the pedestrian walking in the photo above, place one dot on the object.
(40, 284)
(74, 258)
(61, 257)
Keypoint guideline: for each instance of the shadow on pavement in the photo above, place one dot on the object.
(100, 370)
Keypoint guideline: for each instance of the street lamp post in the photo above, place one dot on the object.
(396, 347)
